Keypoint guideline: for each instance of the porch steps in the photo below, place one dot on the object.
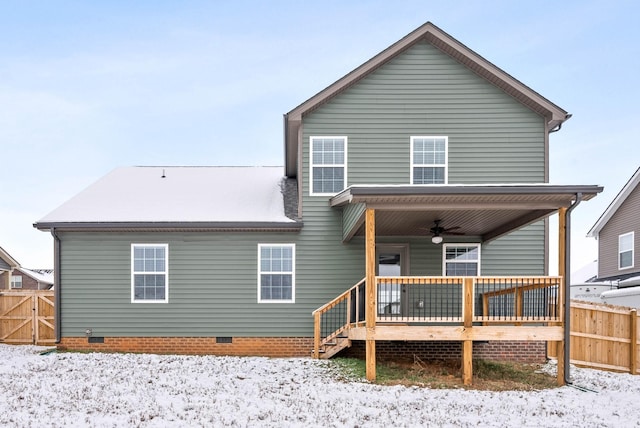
(331, 348)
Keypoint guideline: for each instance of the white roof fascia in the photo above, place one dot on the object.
(614, 205)
(7, 258)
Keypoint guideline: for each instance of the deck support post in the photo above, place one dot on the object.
(316, 335)
(370, 286)
(633, 360)
(562, 251)
(467, 362)
(467, 345)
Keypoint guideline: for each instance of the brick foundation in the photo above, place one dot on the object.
(514, 351)
(239, 346)
(534, 351)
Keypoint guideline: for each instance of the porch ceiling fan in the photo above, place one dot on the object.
(438, 231)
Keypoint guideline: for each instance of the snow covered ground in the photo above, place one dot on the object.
(121, 390)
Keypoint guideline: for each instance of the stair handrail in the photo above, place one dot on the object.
(318, 341)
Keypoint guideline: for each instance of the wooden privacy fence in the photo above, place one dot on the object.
(604, 337)
(26, 317)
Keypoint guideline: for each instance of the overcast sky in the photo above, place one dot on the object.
(88, 86)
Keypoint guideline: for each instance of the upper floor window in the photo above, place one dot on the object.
(276, 273)
(429, 160)
(328, 165)
(461, 259)
(149, 273)
(625, 251)
(16, 281)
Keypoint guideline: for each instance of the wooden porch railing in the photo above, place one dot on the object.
(335, 318)
(495, 299)
(442, 301)
(520, 300)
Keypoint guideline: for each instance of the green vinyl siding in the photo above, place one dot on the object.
(423, 92)
(212, 284)
(352, 213)
(213, 279)
(519, 253)
(213, 276)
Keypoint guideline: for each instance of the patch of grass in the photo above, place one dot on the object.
(487, 375)
(502, 376)
(350, 368)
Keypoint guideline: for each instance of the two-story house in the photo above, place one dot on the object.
(618, 234)
(32, 279)
(411, 208)
(8, 265)
(15, 277)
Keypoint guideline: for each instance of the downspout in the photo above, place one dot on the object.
(57, 284)
(556, 129)
(567, 286)
(559, 126)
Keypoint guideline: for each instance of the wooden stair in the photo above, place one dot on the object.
(333, 320)
(332, 347)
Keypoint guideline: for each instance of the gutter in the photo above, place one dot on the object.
(567, 286)
(58, 284)
(221, 226)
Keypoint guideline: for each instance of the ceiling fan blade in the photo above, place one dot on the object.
(437, 230)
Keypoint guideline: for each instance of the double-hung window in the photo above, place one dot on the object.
(16, 281)
(429, 160)
(625, 250)
(462, 259)
(276, 273)
(149, 273)
(328, 165)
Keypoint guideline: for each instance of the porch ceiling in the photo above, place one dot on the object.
(481, 212)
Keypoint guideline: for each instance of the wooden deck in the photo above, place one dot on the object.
(464, 309)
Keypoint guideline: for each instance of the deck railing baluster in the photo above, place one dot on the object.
(506, 300)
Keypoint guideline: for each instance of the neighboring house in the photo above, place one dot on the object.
(618, 234)
(7, 267)
(15, 277)
(427, 161)
(32, 279)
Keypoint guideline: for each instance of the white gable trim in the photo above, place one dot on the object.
(614, 205)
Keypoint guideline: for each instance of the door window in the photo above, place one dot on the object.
(389, 264)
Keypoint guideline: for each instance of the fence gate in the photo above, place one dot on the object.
(26, 317)
(604, 337)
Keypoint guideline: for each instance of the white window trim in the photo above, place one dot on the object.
(293, 273)
(13, 282)
(311, 165)
(446, 159)
(166, 274)
(632, 250)
(460, 244)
